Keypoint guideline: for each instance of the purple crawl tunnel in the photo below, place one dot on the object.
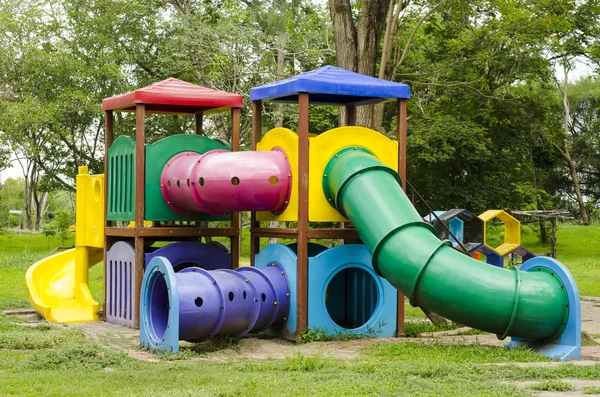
(220, 182)
(196, 304)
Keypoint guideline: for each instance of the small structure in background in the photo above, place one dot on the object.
(544, 215)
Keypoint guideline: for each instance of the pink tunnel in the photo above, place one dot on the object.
(220, 182)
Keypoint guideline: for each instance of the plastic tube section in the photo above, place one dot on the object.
(220, 182)
(196, 304)
(428, 271)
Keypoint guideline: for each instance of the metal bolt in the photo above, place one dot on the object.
(246, 280)
(274, 303)
(285, 318)
(287, 294)
(282, 272)
(324, 175)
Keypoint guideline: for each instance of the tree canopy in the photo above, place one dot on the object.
(497, 116)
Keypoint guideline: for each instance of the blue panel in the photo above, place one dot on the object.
(371, 293)
(457, 227)
(332, 86)
(568, 345)
(284, 256)
(430, 218)
(148, 339)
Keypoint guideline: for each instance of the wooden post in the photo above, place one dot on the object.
(256, 135)
(198, 124)
(350, 115)
(401, 136)
(303, 151)
(140, 114)
(108, 140)
(236, 217)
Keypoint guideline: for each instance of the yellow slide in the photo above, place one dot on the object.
(58, 285)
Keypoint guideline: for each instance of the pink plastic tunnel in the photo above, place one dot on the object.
(220, 182)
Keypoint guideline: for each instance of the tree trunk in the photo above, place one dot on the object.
(357, 46)
(565, 150)
(281, 42)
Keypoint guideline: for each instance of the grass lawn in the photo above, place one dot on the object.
(48, 360)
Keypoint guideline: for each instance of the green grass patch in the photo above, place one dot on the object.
(577, 249)
(413, 329)
(553, 385)
(591, 390)
(432, 352)
(32, 337)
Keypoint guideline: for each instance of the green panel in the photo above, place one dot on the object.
(121, 180)
(430, 273)
(157, 156)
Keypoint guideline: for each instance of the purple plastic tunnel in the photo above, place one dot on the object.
(220, 182)
(216, 302)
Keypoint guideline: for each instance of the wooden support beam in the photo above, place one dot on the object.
(256, 136)
(303, 150)
(236, 217)
(350, 115)
(401, 136)
(140, 161)
(198, 125)
(108, 139)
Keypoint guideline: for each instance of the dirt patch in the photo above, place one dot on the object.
(576, 383)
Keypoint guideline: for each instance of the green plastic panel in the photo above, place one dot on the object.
(121, 180)
(157, 156)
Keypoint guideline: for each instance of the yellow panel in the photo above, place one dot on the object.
(324, 146)
(288, 141)
(89, 209)
(512, 231)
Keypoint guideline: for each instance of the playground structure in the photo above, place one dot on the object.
(58, 285)
(356, 175)
(469, 233)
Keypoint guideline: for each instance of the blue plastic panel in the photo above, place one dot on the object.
(568, 345)
(286, 258)
(148, 338)
(376, 296)
(332, 86)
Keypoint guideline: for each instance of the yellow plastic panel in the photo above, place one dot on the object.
(287, 140)
(53, 291)
(89, 210)
(512, 231)
(324, 146)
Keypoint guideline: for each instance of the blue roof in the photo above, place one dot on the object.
(331, 86)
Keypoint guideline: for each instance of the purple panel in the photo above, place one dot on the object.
(201, 304)
(243, 181)
(241, 303)
(176, 186)
(119, 284)
(193, 252)
(274, 294)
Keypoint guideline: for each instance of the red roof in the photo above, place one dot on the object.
(174, 96)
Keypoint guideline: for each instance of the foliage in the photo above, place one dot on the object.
(553, 385)
(62, 224)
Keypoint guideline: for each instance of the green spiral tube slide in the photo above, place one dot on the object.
(407, 252)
